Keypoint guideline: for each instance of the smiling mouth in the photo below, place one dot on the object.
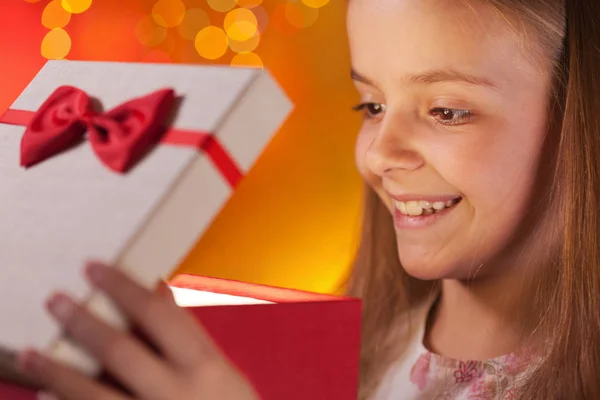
(419, 208)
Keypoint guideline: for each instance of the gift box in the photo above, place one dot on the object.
(291, 345)
(120, 162)
(294, 345)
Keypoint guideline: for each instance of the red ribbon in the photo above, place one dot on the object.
(119, 137)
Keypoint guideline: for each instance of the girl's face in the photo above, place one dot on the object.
(455, 120)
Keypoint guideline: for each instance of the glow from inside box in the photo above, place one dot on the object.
(197, 298)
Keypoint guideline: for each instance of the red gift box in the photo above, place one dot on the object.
(292, 345)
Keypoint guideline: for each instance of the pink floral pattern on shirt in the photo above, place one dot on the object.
(420, 371)
(443, 378)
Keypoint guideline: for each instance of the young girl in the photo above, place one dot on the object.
(479, 264)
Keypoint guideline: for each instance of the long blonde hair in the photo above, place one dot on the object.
(568, 295)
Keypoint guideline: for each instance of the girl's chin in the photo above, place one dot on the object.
(424, 274)
(430, 271)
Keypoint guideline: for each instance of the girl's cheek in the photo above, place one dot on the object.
(363, 141)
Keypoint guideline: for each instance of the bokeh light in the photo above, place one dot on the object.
(188, 54)
(245, 46)
(148, 32)
(262, 16)
(195, 19)
(240, 24)
(170, 43)
(315, 3)
(247, 60)
(301, 16)
(249, 3)
(157, 56)
(221, 5)
(56, 44)
(55, 16)
(211, 42)
(168, 13)
(76, 6)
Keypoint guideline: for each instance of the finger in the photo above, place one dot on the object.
(62, 381)
(125, 357)
(173, 330)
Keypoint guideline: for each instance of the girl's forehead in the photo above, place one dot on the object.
(444, 21)
(404, 37)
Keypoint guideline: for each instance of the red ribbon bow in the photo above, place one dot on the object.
(119, 137)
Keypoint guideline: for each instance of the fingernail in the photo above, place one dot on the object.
(31, 362)
(96, 272)
(61, 306)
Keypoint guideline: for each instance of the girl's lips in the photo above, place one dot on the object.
(423, 197)
(422, 218)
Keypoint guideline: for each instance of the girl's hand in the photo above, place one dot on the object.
(187, 365)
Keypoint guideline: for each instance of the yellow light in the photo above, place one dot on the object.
(249, 3)
(56, 44)
(195, 19)
(315, 3)
(247, 60)
(55, 16)
(221, 5)
(76, 6)
(211, 42)
(301, 16)
(149, 33)
(240, 24)
(168, 13)
(245, 46)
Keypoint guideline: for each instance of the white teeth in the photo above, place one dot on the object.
(401, 206)
(422, 207)
(439, 205)
(426, 205)
(413, 208)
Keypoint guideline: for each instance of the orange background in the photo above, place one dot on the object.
(294, 220)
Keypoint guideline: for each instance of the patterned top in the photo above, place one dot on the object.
(423, 375)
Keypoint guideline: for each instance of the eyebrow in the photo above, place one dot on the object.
(435, 76)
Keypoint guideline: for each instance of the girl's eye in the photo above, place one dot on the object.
(370, 110)
(450, 116)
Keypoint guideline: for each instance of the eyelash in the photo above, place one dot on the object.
(365, 108)
(464, 116)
